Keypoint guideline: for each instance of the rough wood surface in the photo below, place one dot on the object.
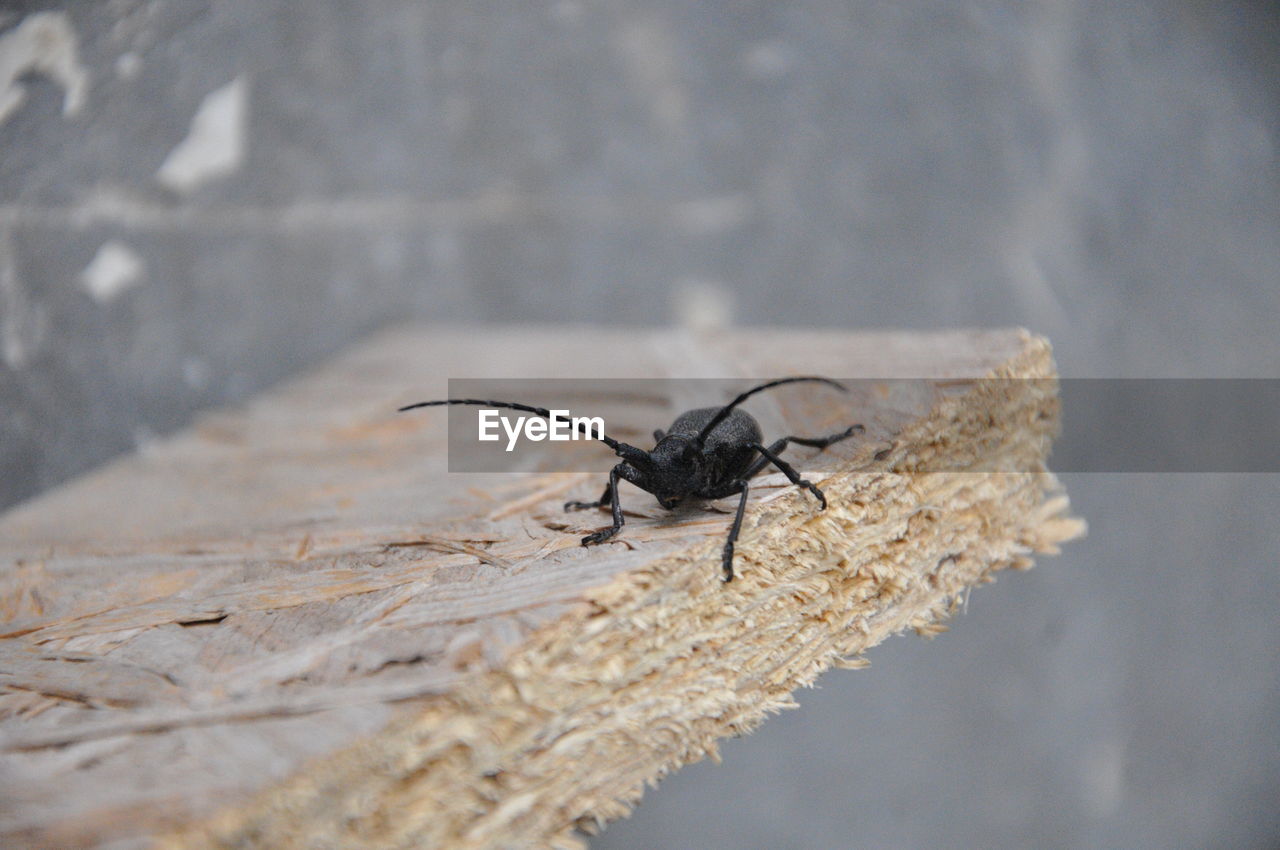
(288, 626)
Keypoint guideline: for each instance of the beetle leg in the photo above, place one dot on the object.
(726, 559)
(605, 533)
(779, 446)
(604, 501)
(770, 456)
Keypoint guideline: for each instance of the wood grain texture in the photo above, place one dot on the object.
(289, 626)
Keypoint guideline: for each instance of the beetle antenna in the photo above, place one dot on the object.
(623, 450)
(724, 412)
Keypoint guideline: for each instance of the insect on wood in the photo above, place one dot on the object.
(707, 453)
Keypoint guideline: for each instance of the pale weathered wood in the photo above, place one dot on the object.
(289, 626)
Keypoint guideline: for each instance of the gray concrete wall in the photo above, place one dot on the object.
(199, 199)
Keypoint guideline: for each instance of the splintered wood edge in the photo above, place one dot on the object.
(652, 668)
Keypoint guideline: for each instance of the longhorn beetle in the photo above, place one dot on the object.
(708, 453)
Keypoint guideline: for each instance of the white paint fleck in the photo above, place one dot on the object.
(128, 65)
(114, 269)
(702, 305)
(43, 43)
(215, 145)
(23, 323)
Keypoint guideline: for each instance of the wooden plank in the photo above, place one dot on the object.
(290, 626)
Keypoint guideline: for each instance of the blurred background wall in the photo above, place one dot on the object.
(198, 199)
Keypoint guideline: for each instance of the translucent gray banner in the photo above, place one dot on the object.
(1097, 425)
(1169, 425)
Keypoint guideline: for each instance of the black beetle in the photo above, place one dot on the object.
(708, 453)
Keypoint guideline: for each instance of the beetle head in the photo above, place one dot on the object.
(674, 467)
